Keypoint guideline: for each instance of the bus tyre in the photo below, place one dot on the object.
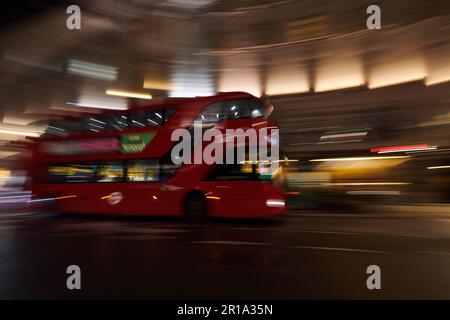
(195, 206)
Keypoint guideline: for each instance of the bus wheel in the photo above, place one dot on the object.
(195, 206)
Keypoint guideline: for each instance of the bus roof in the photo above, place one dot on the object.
(183, 100)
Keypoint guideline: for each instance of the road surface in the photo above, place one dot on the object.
(306, 255)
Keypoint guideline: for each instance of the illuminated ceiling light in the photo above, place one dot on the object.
(245, 79)
(156, 84)
(129, 94)
(8, 137)
(340, 72)
(393, 83)
(20, 132)
(439, 120)
(398, 72)
(7, 154)
(375, 192)
(430, 82)
(338, 141)
(359, 158)
(438, 70)
(343, 135)
(5, 173)
(92, 98)
(21, 120)
(345, 130)
(30, 61)
(415, 147)
(285, 160)
(187, 4)
(23, 133)
(286, 81)
(435, 122)
(319, 128)
(329, 85)
(438, 167)
(365, 183)
(188, 81)
(97, 106)
(64, 110)
(92, 70)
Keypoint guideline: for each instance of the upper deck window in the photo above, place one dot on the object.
(145, 117)
(150, 117)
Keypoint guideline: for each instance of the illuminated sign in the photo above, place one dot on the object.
(87, 146)
(128, 143)
(135, 143)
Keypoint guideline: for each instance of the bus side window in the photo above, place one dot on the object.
(143, 170)
(112, 171)
(75, 173)
(151, 117)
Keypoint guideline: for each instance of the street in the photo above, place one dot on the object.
(305, 255)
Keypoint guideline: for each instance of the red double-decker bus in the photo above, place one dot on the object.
(119, 163)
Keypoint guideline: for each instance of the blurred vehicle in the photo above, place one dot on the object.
(120, 163)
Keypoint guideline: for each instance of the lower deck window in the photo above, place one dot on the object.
(110, 172)
(72, 173)
(143, 170)
(139, 170)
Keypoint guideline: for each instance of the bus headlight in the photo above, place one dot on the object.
(275, 203)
